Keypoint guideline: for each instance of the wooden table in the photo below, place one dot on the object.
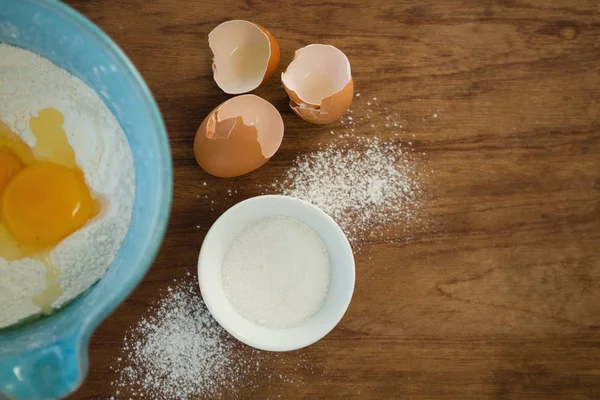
(497, 295)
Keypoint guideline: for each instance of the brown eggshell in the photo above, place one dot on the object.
(331, 109)
(326, 100)
(238, 136)
(273, 56)
(231, 37)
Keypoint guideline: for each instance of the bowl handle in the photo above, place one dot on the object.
(47, 373)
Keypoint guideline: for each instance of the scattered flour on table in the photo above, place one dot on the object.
(364, 187)
(29, 83)
(177, 351)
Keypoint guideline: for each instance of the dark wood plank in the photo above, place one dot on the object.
(496, 295)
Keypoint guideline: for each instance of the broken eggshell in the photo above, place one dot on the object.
(245, 55)
(238, 136)
(319, 83)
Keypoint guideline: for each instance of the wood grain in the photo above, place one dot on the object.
(496, 296)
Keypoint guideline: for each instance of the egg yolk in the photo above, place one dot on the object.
(45, 203)
(43, 196)
(10, 165)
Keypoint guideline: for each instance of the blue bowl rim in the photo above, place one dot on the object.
(161, 218)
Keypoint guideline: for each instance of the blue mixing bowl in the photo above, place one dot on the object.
(47, 358)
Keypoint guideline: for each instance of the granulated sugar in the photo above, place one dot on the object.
(179, 353)
(276, 272)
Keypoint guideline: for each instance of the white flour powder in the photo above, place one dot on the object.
(29, 83)
(366, 175)
(276, 272)
(365, 184)
(179, 352)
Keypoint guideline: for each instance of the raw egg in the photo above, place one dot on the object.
(319, 83)
(44, 203)
(238, 136)
(43, 196)
(245, 55)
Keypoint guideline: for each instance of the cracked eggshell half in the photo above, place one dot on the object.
(245, 55)
(238, 136)
(319, 83)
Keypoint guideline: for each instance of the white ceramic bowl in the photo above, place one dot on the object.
(229, 225)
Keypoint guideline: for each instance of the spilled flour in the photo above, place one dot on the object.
(364, 176)
(177, 351)
(363, 188)
(28, 84)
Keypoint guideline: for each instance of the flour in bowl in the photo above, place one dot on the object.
(30, 84)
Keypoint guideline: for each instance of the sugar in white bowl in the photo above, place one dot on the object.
(280, 219)
(276, 272)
